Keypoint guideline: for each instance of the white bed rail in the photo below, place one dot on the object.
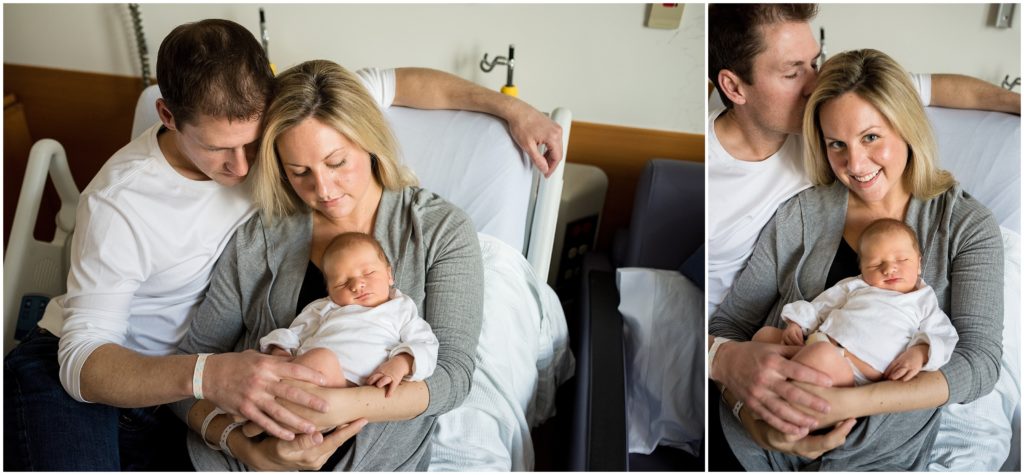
(544, 214)
(31, 267)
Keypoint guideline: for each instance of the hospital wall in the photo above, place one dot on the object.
(635, 92)
(599, 60)
(945, 38)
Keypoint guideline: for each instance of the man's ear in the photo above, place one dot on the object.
(732, 86)
(166, 117)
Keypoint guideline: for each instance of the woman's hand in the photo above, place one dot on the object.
(809, 447)
(305, 452)
(759, 374)
(248, 384)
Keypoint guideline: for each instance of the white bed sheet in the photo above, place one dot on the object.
(495, 177)
(522, 357)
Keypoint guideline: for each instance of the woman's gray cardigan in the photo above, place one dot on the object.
(962, 260)
(435, 256)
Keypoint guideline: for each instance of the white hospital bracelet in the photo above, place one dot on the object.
(224, 437)
(718, 341)
(736, 409)
(206, 424)
(197, 375)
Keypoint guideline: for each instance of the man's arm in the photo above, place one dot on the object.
(423, 88)
(964, 92)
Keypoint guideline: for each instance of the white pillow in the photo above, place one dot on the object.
(664, 344)
(469, 159)
(982, 150)
(976, 437)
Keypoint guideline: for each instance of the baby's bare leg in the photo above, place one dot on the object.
(326, 362)
(827, 358)
(322, 360)
(768, 334)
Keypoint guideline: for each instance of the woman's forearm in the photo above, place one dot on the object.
(928, 390)
(409, 400)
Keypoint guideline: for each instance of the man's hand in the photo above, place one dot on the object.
(391, 372)
(793, 335)
(247, 384)
(759, 374)
(908, 363)
(810, 447)
(530, 129)
(306, 452)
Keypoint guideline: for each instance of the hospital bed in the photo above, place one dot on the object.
(469, 159)
(982, 150)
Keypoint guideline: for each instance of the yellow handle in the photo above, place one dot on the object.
(510, 91)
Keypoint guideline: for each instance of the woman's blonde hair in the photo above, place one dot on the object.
(337, 98)
(878, 79)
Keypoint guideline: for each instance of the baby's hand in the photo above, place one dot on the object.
(278, 351)
(391, 372)
(793, 335)
(908, 363)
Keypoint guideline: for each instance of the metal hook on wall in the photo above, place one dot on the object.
(1010, 85)
(487, 66)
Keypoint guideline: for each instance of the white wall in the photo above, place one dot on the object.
(947, 38)
(598, 60)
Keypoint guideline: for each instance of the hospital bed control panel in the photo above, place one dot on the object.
(579, 216)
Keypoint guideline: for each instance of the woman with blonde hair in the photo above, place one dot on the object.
(328, 165)
(870, 151)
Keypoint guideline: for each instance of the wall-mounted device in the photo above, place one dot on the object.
(579, 216)
(665, 16)
(1002, 14)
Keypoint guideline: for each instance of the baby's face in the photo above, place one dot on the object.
(889, 261)
(358, 276)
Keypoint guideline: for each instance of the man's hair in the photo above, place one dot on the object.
(877, 79)
(214, 68)
(350, 240)
(336, 98)
(735, 36)
(885, 226)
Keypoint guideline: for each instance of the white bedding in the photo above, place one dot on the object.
(522, 357)
(664, 350)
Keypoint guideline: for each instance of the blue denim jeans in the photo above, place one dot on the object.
(46, 429)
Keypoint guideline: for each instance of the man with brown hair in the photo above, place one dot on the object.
(150, 227)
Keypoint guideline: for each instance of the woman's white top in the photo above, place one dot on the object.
(361, 337)
(876, 324)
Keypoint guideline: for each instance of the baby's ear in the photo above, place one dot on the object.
(391, 277)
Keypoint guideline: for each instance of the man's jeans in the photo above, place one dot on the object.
(46, 429)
